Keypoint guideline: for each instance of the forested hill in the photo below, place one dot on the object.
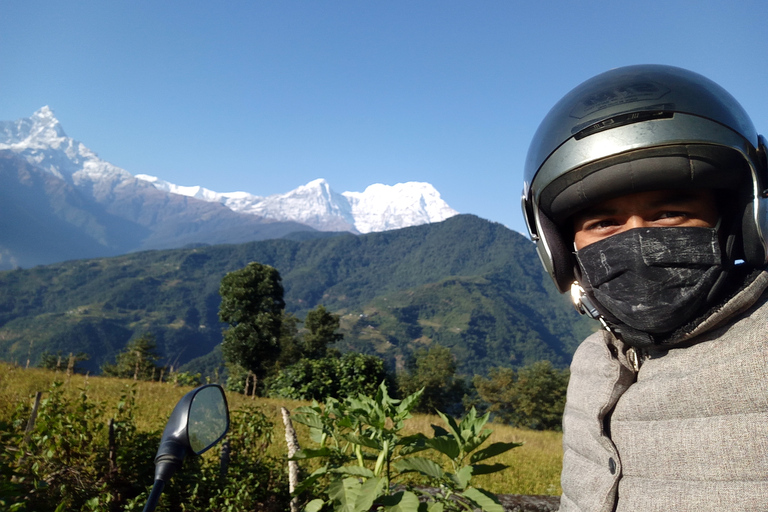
(466, 283)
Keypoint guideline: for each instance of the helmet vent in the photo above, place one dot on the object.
(623, 119)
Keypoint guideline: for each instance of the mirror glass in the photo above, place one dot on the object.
(208, 418)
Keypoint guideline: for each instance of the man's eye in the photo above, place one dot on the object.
(672, 215)
(600, 224)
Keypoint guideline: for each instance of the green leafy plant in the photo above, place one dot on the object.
(364, 454)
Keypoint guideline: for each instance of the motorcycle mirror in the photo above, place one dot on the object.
(199, 421)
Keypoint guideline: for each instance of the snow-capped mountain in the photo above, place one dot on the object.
(59, 200)
(41, 141)
(378, 208)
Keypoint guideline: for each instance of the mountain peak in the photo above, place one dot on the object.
(317, 183)
(44, 113)
(41, 140)
(42, 128)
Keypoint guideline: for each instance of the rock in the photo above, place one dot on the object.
(520, 503)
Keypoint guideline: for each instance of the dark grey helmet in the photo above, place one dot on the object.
(636, 129)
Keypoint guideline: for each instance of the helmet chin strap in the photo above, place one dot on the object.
(584, 305)
(582, 302)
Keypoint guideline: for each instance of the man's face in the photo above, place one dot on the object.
(661, 208)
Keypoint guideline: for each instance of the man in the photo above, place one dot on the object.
(645, 192)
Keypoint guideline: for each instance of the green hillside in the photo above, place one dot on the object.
(466, 283)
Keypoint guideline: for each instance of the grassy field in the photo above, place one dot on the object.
(534, 467)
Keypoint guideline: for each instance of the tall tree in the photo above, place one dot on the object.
(434, 370)
(321, 331)
(532, 397)
(138, 360)
(252, 304)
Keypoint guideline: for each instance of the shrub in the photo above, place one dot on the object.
(69, 461)
(532, 397)
(318, 379)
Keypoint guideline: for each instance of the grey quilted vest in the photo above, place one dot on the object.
(687, 432)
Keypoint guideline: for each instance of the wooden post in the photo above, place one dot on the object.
(29, 354)
(136, 370)
(70, 366)
(32, 417)
(224, 458)
(112, 446)
(293, 446)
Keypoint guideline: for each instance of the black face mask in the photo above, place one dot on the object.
(652, 279)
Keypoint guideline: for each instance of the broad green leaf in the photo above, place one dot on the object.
(463, 476)
(446, 445)
(408, 403)
(420, 465)
(344, 493)
(314, 506)
(309, 453)
(435, 507)
(412, 444)
(363, 441)
(317, 435)
(439, 431)
(468, 421)
(353, 471)
(403, 501)
(492, 451)
(371, 489)
(417, 438)
(309, 481)
(483, 499)
(310, 420)
(476, 440)
(306, 409)
(453, 428)
(485, 469)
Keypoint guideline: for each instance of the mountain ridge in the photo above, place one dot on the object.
(465, 283)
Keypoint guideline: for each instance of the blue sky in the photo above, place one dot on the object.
(264, 96)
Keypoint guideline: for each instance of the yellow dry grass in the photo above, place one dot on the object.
(534, 468)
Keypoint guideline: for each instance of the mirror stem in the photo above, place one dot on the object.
(154, 495)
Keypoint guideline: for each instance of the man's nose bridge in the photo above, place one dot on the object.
(636, 221)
